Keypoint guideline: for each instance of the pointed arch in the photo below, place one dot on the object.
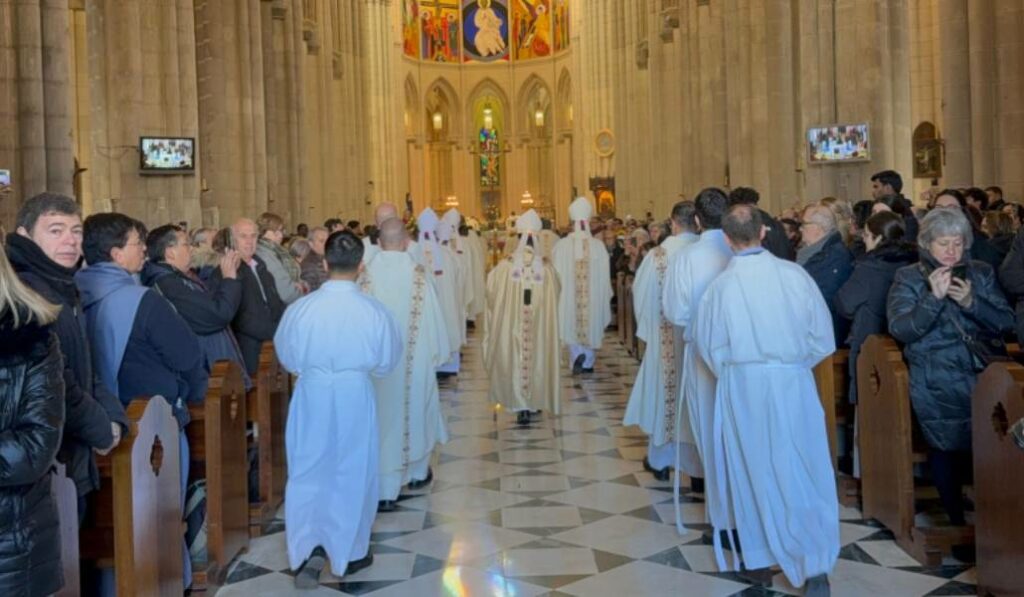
(487, 88)
(413, 122)
(442, 98)
(564, 100)
(534, 97)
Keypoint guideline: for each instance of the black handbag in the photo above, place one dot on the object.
(985, 348)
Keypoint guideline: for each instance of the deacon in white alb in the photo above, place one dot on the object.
(384, 212)
(440, 263)
(584, 306)
(408, 406)
(761, 327)
(467, 252)
(654, 401)
(478, 271)
(690, 272)
(521, 329)
(334, 340)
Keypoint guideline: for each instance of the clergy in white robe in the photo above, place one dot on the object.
(335, 340)
(440, 262)
(761, 327)
(690, 272)
(585, 304)
(654, 400)
(448, 236)
(409, 417)
(478, 273)
(521, 329)
(383, 212)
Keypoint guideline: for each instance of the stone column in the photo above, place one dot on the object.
(142, 73)
(1009, 59)
(981, 77)
(381, 95)
(956, 92)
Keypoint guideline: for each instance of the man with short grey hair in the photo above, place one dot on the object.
(761, 327)
(827, 260)
(314, 270)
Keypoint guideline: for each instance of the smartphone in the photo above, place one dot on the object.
(959, 271)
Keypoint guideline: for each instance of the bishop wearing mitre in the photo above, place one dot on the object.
(584, 307)
(521, 332)
(444, 275)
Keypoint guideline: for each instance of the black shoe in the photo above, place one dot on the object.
(445, 375)
(386, 506)
(965, 553)
(523, 418)
(585, 370)
(470, 325)
(358, 565)
(659, 474)
(697, 485)
(423, 482)
(577, 365)
(723, 537)
(308, 576)
(818, 586)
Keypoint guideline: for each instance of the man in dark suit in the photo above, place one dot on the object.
(775, 238)
(261, 308)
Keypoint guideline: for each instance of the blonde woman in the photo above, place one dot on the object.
(844, 217)
(31, 423)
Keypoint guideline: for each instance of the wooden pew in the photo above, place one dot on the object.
(65, 497)
(137, 511)
(998, 402)
(217, 445)
(267, 409)
(887, 453)
(833, 380)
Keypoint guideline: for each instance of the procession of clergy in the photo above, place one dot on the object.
(725, 390)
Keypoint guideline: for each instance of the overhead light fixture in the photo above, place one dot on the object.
(488, 117)
(527, 199)
(438, 121)
(451, 201)
(538, 118)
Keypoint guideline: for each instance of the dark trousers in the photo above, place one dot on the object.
(950, 472)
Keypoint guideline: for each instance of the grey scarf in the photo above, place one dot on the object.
(805, 253)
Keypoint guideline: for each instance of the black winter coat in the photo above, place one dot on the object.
(31, 416)
(1011, 276)
(830, 268)
(862, 299)
(205, 312)
(89, 406)
(942, 374)
(258, 314)
(775, 239)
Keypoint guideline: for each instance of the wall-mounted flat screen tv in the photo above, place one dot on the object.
(167, 155)
(839, 143)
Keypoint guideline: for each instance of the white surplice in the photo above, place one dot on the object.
(761, 327)
(655, 397)
(584, 304)
(334, 340)
(409, 414)
(446, 283)
(690, 272)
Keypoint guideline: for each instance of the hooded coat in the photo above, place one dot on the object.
(31, 416)
(942, 374)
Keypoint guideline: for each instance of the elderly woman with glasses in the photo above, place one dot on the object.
(935, 307)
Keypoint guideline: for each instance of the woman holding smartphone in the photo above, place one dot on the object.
(935, 307)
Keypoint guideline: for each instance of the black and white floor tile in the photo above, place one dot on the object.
(564, 508)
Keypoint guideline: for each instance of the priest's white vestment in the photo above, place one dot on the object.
(334, 340)
(370, 250)
(584, 272)
(409, 416)
(477, 250)
(440, 262)
(654, 400)
(690, 272)
(761, 327)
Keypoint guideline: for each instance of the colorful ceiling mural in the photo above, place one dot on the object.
(482, 31)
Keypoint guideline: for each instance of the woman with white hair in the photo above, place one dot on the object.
(941, 308)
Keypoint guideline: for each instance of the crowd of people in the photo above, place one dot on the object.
(104, 311)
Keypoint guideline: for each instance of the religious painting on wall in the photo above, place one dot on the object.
(490, 155)
(484, 30)
(440, 20)
(560, 13)
(411, 28)
(531, 29)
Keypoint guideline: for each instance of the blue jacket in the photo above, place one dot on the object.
(831, 268)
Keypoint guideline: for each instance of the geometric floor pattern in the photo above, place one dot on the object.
(563, 507)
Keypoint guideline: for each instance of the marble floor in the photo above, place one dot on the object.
(563, 508)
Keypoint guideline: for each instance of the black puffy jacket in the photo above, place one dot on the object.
(31, 418)
(89, 407)
(942, 374)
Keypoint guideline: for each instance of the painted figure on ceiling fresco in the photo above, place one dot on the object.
(440, 30)
(410, 28)
(561, 19)
(485, 30)
(531, 28)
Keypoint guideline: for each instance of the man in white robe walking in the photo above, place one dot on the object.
(470, 264)
(690, 272)
(761, 327)
(409, 417)
(383, 212)
(584, 306)
(334, 340)
(440, 263)
(655, 397)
